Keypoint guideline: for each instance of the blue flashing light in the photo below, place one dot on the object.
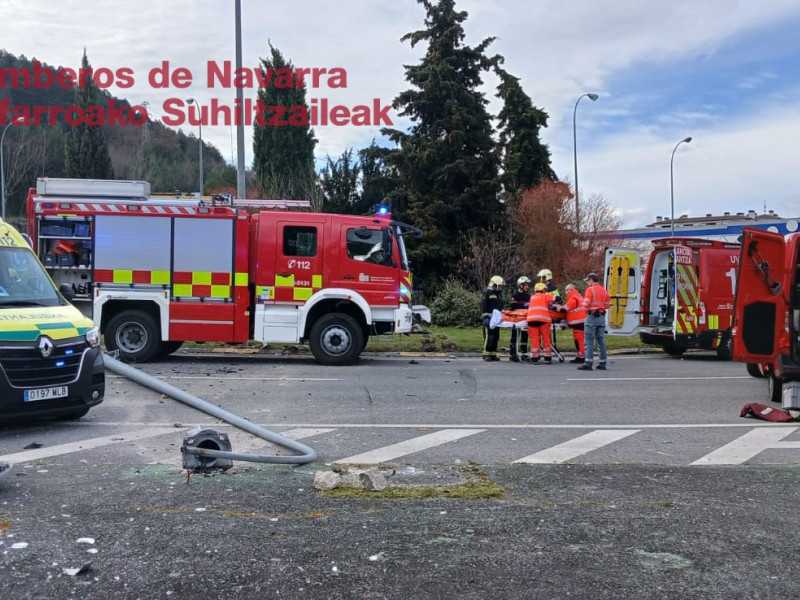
(69, 351)
(61, 363)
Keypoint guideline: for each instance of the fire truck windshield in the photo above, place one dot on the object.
(401, 246)
(23, 281)
(401, 230)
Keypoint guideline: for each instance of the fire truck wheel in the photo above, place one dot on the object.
(754, 370)
(674, 350)
(725, 348)
(135, 334)
(168, 348)
(774, 388)
(336, 339)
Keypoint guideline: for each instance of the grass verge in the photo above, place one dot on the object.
(470, 339)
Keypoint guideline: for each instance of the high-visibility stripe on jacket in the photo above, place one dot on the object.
(576, 313)
(596, 298)
(539, 308)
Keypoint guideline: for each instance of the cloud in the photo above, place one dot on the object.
(722, 71)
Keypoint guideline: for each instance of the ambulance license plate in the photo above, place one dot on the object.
(45, 393)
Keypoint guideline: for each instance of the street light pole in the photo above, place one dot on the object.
(672, 187)
(15, 121)
(591, 97)
(200, 142)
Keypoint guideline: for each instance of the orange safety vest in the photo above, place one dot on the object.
(539, 308)
(596, 298)
(576, 313)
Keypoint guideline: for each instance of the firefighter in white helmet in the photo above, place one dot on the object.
(519, 337)
(491, 300)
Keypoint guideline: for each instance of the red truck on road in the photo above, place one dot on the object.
(154, 273)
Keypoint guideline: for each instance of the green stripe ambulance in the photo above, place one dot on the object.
(50, 359)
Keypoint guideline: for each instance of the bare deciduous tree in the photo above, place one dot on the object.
(21, 149)
(545, 218)
(488, 252)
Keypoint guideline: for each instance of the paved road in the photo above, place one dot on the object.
(641, 482)
(646, 410)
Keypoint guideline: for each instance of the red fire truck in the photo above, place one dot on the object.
(684, 299)
(154, 273)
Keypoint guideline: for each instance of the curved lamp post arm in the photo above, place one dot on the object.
(685, 140)
(592, 97)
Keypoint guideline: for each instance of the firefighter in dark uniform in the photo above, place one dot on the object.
(519, 337)
(491, 300)
(546, 276)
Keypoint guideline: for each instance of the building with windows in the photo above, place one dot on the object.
(726, 227)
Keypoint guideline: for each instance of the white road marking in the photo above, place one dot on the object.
(411, 446)
(747, 446)
(745, 423)
(207, 377)
(603, 378)
(91, 444)
(576, 447)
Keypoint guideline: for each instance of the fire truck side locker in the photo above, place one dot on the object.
(65, 245)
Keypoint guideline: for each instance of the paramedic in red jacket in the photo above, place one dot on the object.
(576, 318)
(596, 301)
(540, 323)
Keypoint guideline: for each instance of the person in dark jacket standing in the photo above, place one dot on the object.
(491, 300)
(519, 337)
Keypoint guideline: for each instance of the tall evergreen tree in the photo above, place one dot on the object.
(525, 160)
(447, 160)
(283, 155)
(86, 153)
(339, 181)
(378, 179)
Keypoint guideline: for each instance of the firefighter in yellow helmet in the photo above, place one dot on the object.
(540, 323)
(491, 300)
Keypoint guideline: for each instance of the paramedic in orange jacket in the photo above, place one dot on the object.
(596, 301)
(576, 317)
(540, 323)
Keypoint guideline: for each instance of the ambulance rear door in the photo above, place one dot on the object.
(623, 280)
(760, 303)
(687, 297)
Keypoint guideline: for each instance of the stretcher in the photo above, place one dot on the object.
(518, 318)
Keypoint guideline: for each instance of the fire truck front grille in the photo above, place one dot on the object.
(25, 366)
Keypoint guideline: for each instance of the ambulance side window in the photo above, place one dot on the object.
(299, 241)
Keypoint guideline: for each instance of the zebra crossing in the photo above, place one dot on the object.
(156, 444)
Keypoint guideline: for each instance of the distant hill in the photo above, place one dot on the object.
(166, 158)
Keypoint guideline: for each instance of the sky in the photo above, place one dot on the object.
(723, 72)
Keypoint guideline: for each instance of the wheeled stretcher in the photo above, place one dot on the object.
(518, 318)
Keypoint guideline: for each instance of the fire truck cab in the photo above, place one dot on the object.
(767, 308)
(684, 299)
(155, 273)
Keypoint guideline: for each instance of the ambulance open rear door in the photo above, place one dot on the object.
(623, 280)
